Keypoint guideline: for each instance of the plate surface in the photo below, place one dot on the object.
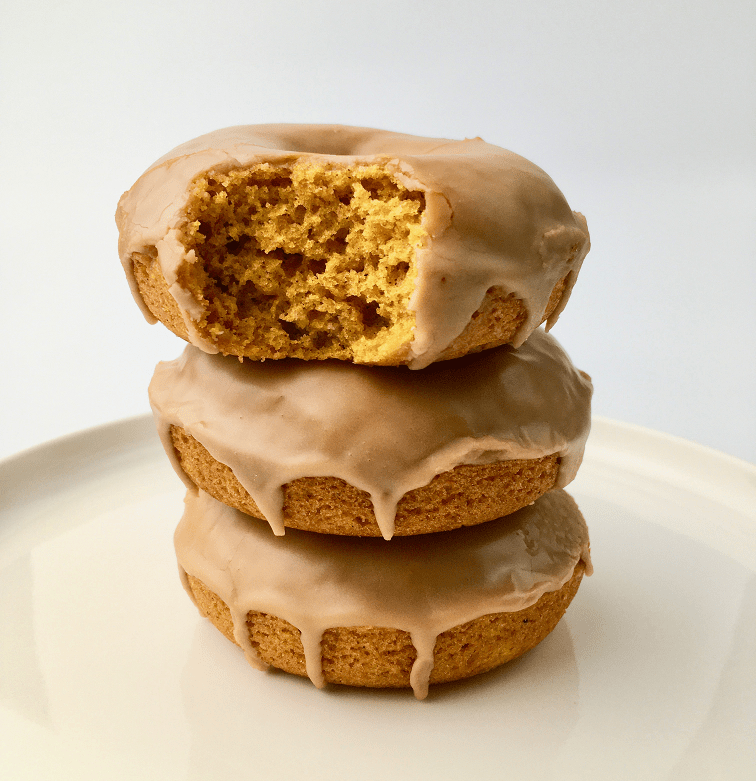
(107, 671)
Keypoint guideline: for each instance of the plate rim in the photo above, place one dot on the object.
(136, 434)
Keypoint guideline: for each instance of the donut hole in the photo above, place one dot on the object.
(308, 261)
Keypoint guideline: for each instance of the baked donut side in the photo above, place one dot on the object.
(318, 604)
(334, 242)
(384, 431)
(381, 657)
(497, 321)
(463, 496)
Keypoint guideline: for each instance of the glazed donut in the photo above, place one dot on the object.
(326, 241)
(415, 611)
(365, 451)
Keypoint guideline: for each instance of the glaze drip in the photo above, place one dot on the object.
(384, 430)
(492, 219)
(423, 585)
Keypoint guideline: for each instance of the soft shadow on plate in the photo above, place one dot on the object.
(527, 708)
(22, 684)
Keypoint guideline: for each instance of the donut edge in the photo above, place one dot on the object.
(330, 505)
(380, 657)
(496, 321)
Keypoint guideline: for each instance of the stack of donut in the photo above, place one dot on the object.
(373, 430)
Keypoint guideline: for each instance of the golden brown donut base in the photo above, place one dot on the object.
(494, 323)
(465, 496)
(381, 657)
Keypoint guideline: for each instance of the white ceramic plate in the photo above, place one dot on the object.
(107, 671)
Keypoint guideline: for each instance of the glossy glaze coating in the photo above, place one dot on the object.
(383, 430)
(423, 585)
(492, 218)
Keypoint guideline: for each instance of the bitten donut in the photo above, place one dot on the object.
(415, 611)
(326, 241)
(365, 451)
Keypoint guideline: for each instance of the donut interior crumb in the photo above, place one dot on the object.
(303, 260)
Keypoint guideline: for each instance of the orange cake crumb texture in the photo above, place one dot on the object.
(306, 258)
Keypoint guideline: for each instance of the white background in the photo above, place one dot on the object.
(644, 114)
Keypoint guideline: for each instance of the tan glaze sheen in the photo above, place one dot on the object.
(492, 219)
(384, 430)
(423, 585)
